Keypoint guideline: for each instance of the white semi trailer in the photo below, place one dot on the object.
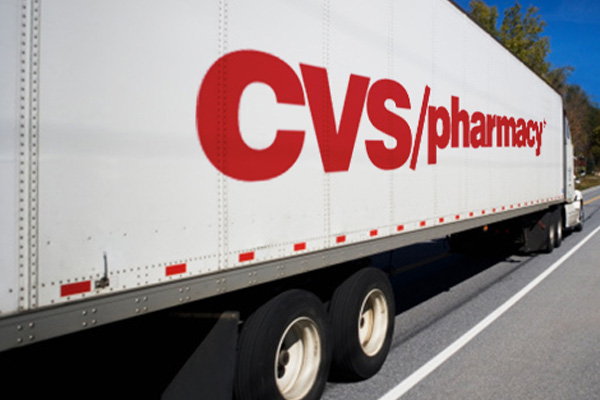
(158, 153)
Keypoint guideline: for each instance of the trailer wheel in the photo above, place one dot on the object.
(283, 351)
(550, 239)
(362, 321)
(559, 231)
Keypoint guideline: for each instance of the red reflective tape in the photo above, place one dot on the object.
(471, 214)
(400, 228)
(423, 223)
(457, 217)
(493, 210)
(75, 288)
(442, 220)
(482, 212)
(340, 239)
(176, 269)
(249, 256)
(374, 232)
(300, 246)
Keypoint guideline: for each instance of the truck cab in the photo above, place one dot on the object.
(573, 207)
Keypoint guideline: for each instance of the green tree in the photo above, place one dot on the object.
(558, 77)
(595, 147)
(584, 119)
(594, 150)
(521, 34)
(486, 16)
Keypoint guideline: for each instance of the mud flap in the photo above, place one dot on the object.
(209, 372)
(536, 232)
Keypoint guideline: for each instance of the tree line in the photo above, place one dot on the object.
(521, 31)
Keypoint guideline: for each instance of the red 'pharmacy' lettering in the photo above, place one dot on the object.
(220, 137)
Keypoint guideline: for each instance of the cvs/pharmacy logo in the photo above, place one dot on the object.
(217, 118)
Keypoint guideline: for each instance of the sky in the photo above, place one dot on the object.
(573, 27)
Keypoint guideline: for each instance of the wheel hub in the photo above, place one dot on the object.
(373, 322)
(298, 360)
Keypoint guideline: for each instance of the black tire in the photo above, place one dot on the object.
(558, 231)
(550, 238)
(359, 352)
(268, 366)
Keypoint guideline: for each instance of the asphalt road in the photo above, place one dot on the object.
(470, 327)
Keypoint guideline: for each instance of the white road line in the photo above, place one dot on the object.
(438, 360)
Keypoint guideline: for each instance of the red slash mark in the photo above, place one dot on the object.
(415, 153)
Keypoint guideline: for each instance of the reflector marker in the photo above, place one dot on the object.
(71, 289)
(176, 269)
(457, 217)
(300, 246)
(249, 256)
(340, 239)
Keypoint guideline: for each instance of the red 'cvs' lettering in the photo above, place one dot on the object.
(217, 115)
(388, 123)
(336, 146)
